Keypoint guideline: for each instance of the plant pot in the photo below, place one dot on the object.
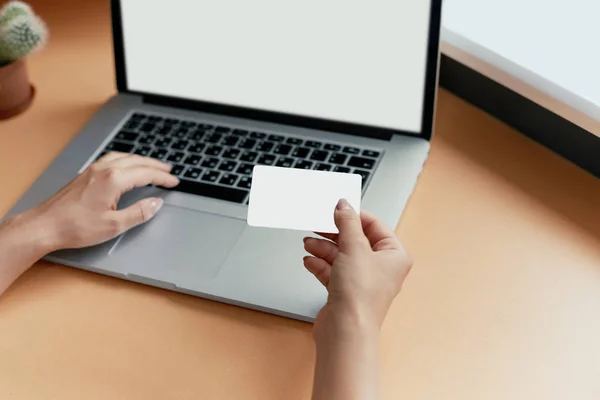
(16, 93)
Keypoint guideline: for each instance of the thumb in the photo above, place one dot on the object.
(138, 213)
(350, 227)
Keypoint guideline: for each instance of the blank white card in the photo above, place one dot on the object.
(298, 199)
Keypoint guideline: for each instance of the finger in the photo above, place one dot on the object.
(374, 229)
(134, 160)
(137, 213)
(364, 220)
(132, 177)
(319, 268)
(348, 222)
(331, 236)
(321, 248)
(378, 233)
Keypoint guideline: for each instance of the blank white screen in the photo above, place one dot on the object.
(358, 61)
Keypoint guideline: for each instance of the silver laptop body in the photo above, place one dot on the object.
(199, 243)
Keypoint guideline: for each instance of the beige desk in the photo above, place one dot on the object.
(503, 302)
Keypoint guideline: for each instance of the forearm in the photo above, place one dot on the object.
(23, 241)
(347, 363)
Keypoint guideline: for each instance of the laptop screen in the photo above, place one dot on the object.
(357, 61)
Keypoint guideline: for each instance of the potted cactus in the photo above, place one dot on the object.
(21, 34)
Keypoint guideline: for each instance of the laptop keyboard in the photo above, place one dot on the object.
(217, 160)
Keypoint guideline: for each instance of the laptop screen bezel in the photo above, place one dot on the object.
(431, 76)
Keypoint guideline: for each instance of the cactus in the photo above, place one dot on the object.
(14, 9)
(21, 32)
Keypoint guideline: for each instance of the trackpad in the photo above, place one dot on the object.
(179, 246)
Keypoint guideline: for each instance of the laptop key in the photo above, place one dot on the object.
(361, 162)
(228, 179)
(276, 138)
(143, 151)
(341, 169)
(363, 174)
(177, 169)
(170, 121)
(319, 155)
(332, 147)
(159, 154)
(351, 150)
(285, 162)
(370, 153)
(132, 125)
(240, 132)
(181, 132)
(282, 149)
(120, 147)
(222, 129)
(265, 146)
(154, 118)
(188, 124)
(313, 143)
(249, 156)
(213, 191)
(193, 173)
(294, 141)
(164, 130)
(266, 159)
(247, 144)
(210, 162)
(214, 150)
(230, 141)
(138, 116)
(258, 135)
(323, 167)
(245, 182)
(180, 145)
(214, 138)
(211, 176)
(338, 158)
(197, 148)
(245, 169)
(196, 135)
(193, 160)
(231, 153)
(164, 142)
(228, 166)
(300, 152)
(303, 164)
(147, 127)
(176, 157)
(127, 136)
(147, 139)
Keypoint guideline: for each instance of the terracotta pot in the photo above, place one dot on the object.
(16, 94)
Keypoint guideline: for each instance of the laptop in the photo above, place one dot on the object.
(217, 87)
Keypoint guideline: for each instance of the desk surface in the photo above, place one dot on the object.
(503, 302)
(547, 45)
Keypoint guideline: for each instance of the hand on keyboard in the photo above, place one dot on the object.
(84, 212)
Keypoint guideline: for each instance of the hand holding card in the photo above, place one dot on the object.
(298, 199)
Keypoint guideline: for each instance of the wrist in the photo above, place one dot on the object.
(31, 231)
(346, 323)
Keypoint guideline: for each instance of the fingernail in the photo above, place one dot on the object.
(157, 204)
(305, 239)
(343, 205)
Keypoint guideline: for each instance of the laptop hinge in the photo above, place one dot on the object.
(263, 116)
